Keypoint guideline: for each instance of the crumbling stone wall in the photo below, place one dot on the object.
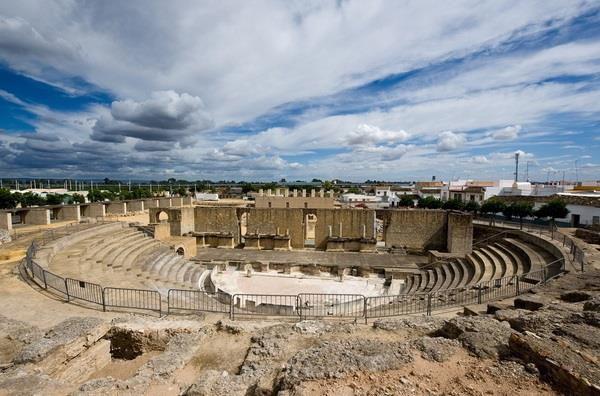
(460, 233)
(217, 219)
(417, 229)
(181, 220)
(354, 222)
(268, 221)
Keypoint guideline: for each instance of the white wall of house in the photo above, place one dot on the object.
(587, 214)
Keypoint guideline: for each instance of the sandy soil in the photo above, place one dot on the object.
(26, 302)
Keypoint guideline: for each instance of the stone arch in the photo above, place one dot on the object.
(180, 251)
(243, 225)
(162, 217)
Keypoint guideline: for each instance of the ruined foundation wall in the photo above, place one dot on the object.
(267, 221)
(116, 208)
(352, 221)
(217, 219)
(69, 213)
(135, 206)
(460, 233)
(417, 229)
(6, 220)
(181, 221)
(37, 217)
(294, 202)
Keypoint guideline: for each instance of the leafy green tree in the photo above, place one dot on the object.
(31, 199)
(521, 209)
(78, 198)
(430, 203)
(182, 191)
(55, 199)
(508, 212)
(7, 200)
(247, 187)
(406, 201)
(354, 190)
(453, 204)
(491, 207)
(472, 207)
(554, 209)
(327, 185)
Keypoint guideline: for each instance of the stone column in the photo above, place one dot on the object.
(6, 220)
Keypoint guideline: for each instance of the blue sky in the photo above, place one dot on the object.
(385, 90)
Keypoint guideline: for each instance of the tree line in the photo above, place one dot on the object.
(552, 210)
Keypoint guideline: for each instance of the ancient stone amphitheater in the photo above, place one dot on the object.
(245, 301)
(360, 263)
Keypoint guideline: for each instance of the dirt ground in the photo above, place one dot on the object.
(24, 301)
(460, 375)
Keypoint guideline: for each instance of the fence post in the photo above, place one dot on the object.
(67, 290)
(518, 286)
(231, 313)
(545, 275)
(365, 309)
(169, 302)
(428, 304)
(44, 276)
(103, 301)
(479, 294)
(160, 305)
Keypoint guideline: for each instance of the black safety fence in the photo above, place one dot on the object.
(264, 305)
(85, 291)
(197, 300)
(398, 305)
(316, 305)
(117, 297)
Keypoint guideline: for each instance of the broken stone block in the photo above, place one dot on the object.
(531, 303)
(592, 305)
(483, 337)
(575, 296)
(493, 307)
(558, 363)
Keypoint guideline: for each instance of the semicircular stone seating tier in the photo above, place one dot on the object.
(123, 256)
(495, 260)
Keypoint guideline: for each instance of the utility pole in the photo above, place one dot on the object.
(576, 173)
(516, 167)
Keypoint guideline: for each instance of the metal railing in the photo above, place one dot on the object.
(196, 300)
(264, 305)
(149, 300)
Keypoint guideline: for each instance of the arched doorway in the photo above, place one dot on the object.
(310, 222)
(180, 251)
(162, 217)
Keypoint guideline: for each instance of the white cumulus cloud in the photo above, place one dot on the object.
(509, 133)
(366, 134)
(448, 141)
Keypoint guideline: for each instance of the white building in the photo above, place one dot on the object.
(206, 197)
(359, 198)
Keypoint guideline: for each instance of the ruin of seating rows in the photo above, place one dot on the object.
(121, 256)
